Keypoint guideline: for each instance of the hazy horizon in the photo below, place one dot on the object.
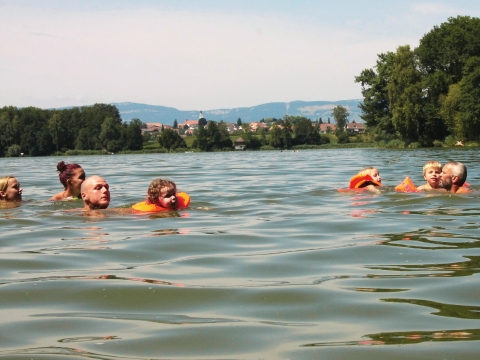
(207, 54)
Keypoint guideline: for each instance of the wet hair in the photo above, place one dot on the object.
(460, 170)
(155, 189)
(367, 170)
(66, 172)
(432, 164)
(4, 182)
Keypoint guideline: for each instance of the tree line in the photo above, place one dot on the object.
(37, 132)
(284, 133)
(429, 93)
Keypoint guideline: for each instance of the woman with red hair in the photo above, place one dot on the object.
(71, 176)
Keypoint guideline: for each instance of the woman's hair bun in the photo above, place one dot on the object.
(61, 166)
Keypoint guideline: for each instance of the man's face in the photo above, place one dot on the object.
(97, 194)
(445, 180)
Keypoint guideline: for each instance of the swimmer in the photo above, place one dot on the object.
(367, 178)
(95, 193)
(431, 172)
(10, 189)
(71, 176)
(162, 195)
(453, 176)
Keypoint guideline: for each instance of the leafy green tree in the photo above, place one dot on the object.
(171, 140)
(306, 132)
(343, 138)
(376, 105)
(109, 131)
(340, 114)
(58, 128)
(276, 139)
(86, 140)
(287, 133)
(14, 151)
(447, 48)
(405, 95)
(239, 122)
(202, 121)
(469, 104)
(134, 135)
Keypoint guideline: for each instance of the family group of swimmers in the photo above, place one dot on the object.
(162, 194)
(95, 192)
(450, 178)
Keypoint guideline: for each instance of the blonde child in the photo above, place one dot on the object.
(367, 178)
(431, 172)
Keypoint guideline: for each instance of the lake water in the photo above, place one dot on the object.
(270, 261)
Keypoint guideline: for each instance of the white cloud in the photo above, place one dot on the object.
(429, 8)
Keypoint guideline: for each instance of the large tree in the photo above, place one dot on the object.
(169, 139)
(469, 105)
(340, 114)
(306, 132)
(405, 94)
(375, 106)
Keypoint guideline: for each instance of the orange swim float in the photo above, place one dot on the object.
(406, 186)
(182, 198)
(359, 181)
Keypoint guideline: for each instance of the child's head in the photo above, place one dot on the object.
(431, 172)
(163, 192)
(373, 172)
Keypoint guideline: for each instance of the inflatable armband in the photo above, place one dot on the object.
(182, 198)
(406, 186)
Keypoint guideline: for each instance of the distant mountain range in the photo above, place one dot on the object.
(310, 109)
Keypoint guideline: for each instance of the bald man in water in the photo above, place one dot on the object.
(453, 177)
(95, 193)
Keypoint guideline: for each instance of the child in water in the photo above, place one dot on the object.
(10, 189)
(431, 172)
(162, 195)
(367, 178)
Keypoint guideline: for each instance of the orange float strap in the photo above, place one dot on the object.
(182, 198)
(406, 186)
(359, 181)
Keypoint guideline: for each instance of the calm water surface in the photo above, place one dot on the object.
(269, 262)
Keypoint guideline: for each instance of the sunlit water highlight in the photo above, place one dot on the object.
(270, 261)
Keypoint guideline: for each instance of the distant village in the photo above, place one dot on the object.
(188, 127)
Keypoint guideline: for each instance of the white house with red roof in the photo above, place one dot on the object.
(355, 128)
(325, 128)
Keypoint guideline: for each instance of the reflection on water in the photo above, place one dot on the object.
(411, 337)
(450, 310)
(271, 260)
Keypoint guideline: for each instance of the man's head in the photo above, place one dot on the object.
(453, 174)
(95, 193)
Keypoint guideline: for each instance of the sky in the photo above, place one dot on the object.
(202, 54)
